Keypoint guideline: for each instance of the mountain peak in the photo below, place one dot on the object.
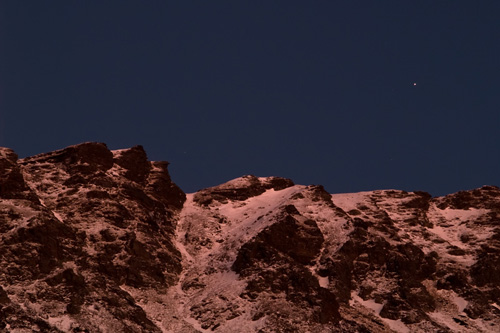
(241, 188)
(100, 240)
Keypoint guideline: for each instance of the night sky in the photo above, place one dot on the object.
(322, 92)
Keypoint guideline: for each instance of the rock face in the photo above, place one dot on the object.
(94, 240)
(78, 226)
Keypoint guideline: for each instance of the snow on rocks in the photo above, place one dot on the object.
(98, 240)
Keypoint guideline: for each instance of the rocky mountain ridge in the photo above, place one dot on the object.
(94, 240)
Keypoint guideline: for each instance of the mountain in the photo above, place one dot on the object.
(94, 240)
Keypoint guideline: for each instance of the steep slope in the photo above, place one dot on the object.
(310, 261)
(78, 226)
(94, 240)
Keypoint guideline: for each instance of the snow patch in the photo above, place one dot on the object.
(350, 201)
(63, 322)
(395, 325)
(460, 302)
(370, 304)
(446, 320)
(324, 282)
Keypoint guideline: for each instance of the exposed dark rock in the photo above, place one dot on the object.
(12, 185)
(241, 189)
(275, 261)
(421, 201)
(4, 298)
(453, 280)
(484, 197)
(84, 159)
(95, 240)
(300, 240)
(486, 271)
(161, 187)
(278, 183)
(91, 218)
(320, 194)
(135, 162)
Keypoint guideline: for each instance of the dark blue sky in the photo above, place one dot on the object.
(318, 91)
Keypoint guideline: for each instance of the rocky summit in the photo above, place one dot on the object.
(95, 240)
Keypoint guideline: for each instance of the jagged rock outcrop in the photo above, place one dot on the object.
(240, 189)
(77, 225)
(276, 261)
(94, 240)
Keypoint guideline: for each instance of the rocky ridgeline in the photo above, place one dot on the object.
(77, 224)
(94, 240)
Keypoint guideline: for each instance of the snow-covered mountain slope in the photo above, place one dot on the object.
(311, 261)
(94, 240)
